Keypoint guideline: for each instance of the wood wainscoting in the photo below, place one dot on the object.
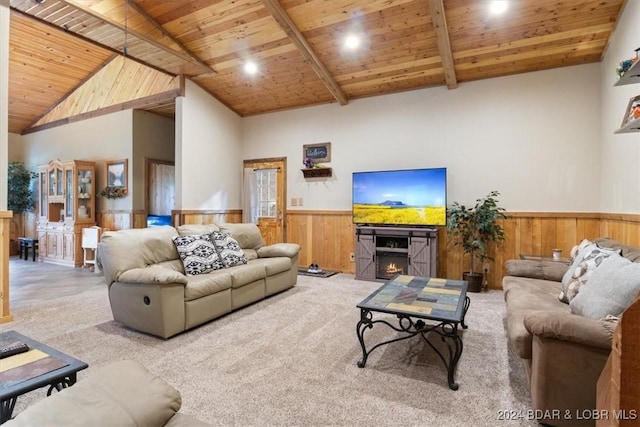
(179, 217)
(121, 219)
(5, 226)
(327, 238)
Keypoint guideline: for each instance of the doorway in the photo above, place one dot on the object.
(160, 191)
(264, 197)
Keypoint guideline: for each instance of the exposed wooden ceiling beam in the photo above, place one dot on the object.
(55, 27)
(164, 32)
(305, 49)
(86, 9)
(444, 44)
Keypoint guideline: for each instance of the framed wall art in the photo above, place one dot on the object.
(116, 171)
(317, 152)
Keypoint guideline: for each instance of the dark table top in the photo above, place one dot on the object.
(32, 379)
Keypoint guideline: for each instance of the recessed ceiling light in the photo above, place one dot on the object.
(352, 41)
(498, 6)
(250, 67)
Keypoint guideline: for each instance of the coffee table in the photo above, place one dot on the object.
(412, 299)
(41, 366)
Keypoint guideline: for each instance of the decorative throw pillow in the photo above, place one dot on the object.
(577, 254)
(612, 288)
(198, 254)
(230, 251)
(583, 272)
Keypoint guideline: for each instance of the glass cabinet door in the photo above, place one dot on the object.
(85, 193)
(43, 194)
(59, 182)
(68, 197)
(52, 182)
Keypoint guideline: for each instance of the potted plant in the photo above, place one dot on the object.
(473, 228)
(20, 196)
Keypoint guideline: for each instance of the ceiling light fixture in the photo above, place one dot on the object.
(352, 42)
(250, 67)
(498, 7)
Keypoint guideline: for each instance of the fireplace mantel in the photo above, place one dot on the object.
(415, 249)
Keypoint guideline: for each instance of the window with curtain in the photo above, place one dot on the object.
(260, 194)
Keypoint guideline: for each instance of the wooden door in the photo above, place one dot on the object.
(160, 187)
(268, 196)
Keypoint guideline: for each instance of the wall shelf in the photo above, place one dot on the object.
(631, 76)
(633, 126)
(317, 172)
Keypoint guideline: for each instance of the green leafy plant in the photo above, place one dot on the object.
(473, 228)
(20, 196)
(113, 192)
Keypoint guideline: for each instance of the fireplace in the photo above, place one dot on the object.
(388, 264)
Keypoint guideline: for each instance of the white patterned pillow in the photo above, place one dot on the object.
(228, 248)
(198, 254)
(611, 290)
(583, 272)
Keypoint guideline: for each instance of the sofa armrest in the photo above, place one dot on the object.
(571, 327)
(121, 394)
(152, 275)
(279, 249)
(545, 270)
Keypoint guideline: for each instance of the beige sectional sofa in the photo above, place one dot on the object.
(150, 292)
(122, 394)
(563, 353)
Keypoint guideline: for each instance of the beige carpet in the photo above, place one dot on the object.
(291, 360)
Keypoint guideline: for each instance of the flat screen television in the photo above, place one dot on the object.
(400, 197)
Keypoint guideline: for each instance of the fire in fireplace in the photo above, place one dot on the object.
(388, 264)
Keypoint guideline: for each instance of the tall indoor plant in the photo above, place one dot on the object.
(20, 196)
(473, 229)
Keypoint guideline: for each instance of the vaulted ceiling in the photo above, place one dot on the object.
(73, 59)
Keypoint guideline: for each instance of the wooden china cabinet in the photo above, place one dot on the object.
(66, 205)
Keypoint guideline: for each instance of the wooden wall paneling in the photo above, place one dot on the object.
(442, 248)
(5, 227)
(454, 258)
(633, 234)
(567, 233)
(139, 219)
(548, 235)
(586, 228)
(525, 234)
(181, 217)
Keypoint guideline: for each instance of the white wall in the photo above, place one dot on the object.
(620, 153)
(16, 153)
(97, 139)
(208, 153)
(153, 138)
(534, 137)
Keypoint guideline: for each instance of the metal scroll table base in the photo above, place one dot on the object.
(445, 329)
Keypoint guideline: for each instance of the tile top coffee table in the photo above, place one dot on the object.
(441, 302)
(41, 366)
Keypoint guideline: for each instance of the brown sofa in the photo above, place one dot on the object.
(149, 291)
(563, 353)
(122, 394)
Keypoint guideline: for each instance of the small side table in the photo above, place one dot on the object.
(25, 244)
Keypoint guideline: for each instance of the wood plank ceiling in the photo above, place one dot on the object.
(63, 50)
